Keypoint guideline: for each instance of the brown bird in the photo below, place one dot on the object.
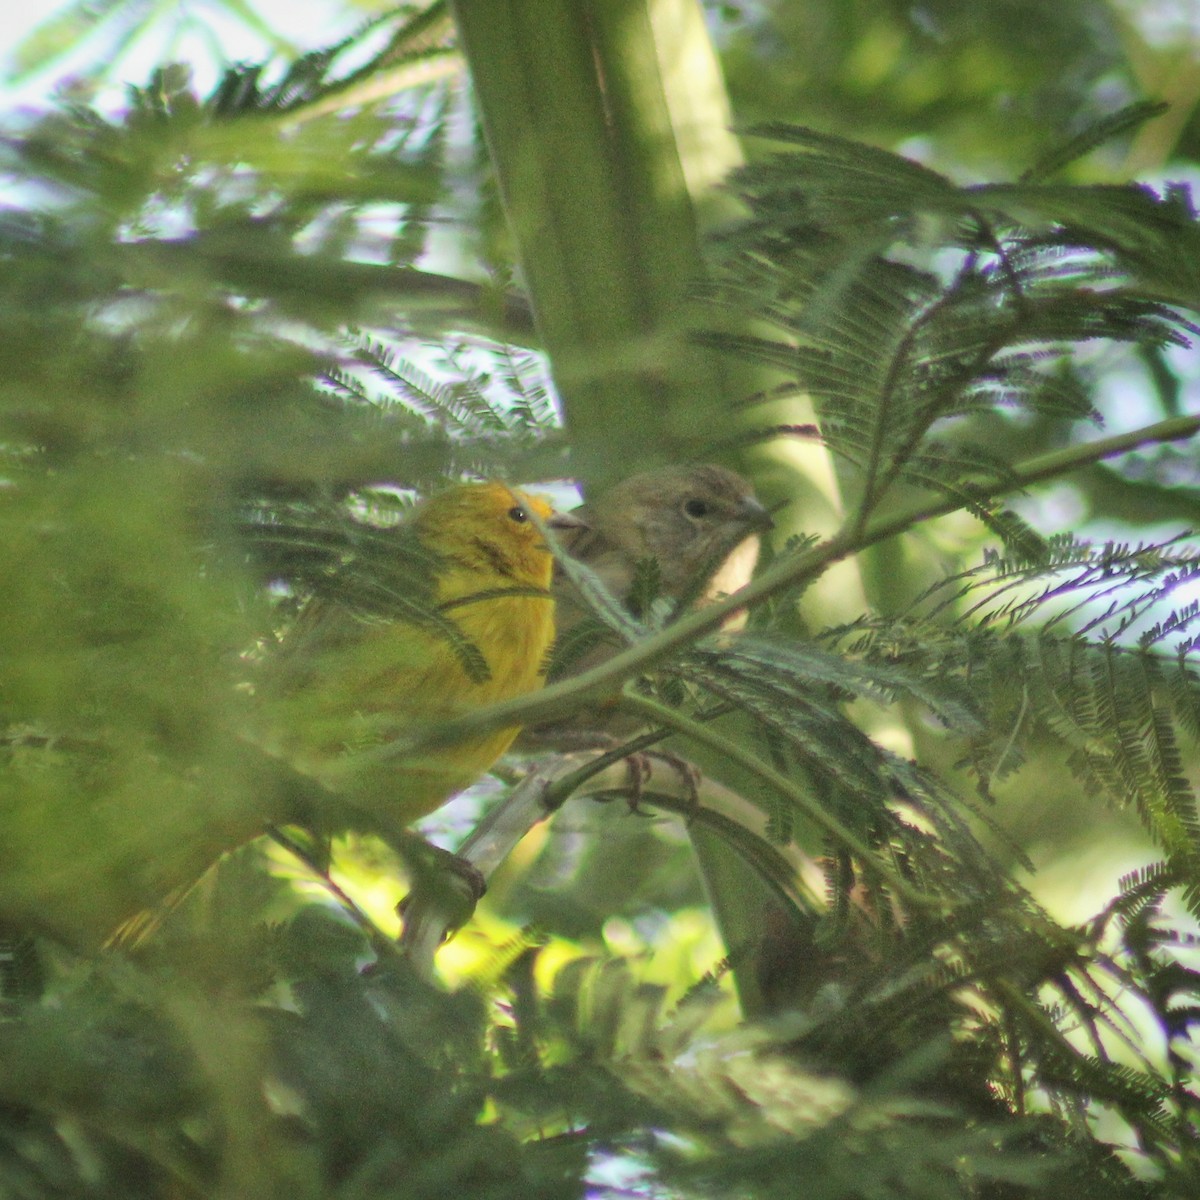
(696, 528)
(692, 531)
(686, 519)
(701, 526)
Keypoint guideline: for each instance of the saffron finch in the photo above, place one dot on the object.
(464, 616)
(467, 619)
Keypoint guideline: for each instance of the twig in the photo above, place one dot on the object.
(383, 945)
(489, 844)
(545, 789)
(557, 699)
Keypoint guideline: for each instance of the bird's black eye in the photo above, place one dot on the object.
(518, 514)
(696, 508)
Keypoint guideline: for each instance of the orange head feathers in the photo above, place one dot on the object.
(484, 529)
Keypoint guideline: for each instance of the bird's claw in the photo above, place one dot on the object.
(690, 777)
(637, 772)
(639, 769)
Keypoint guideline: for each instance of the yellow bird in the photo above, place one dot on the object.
(451, 612)
(464, 618)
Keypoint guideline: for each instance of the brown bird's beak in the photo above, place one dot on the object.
(564, 521)
(755, 515)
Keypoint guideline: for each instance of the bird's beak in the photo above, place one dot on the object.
(755, 515)
(564, 521)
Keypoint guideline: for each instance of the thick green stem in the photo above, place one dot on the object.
(581, 122)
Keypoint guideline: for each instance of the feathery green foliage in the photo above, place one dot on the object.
(909, 304)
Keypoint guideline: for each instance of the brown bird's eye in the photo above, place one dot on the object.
(518, 514)
(696, 508)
